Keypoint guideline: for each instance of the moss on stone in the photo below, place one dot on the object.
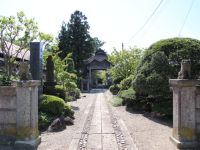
(27, 132)
(184, 133)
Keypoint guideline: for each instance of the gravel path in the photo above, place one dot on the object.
(146, 133)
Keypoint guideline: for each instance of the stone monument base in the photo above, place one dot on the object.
(28, 145)
(185, 145)
(20, 145)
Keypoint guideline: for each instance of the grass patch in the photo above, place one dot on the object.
(116, 101)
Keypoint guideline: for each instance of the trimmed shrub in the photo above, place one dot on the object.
(116, 101)
(117, 80)
(69, 98)
(60, 91)
(161, 62)
(74, 93)
(68, 110)
(128, 96)
(114, 89)
(51, 104)
(44, 120)
(126, 83)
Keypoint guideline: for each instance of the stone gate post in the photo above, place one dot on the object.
(27, 114)
(19, 115)
(184, 113)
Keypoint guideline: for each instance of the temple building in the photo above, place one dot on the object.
(95, 63)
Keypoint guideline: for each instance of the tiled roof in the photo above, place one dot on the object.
(23, 54)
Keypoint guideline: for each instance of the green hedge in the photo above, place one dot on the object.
(74, 93)
(114, 89)
(68, 110)
(44, 120)
(60, 91)
(128, 96)
(116, 101)
(51, 104)
(126, 83)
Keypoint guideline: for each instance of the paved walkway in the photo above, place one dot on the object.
(99, 126)
(101, 130)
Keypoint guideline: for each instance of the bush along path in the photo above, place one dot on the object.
(101, 129)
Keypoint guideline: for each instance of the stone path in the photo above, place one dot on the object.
(100, 126)
(101, 130)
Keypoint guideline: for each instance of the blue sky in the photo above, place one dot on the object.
(114, 21)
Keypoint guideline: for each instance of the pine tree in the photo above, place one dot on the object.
(74, 38)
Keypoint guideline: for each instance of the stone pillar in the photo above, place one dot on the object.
(36, 62)
(184, 113)
(88, 86)
(90, 78)
(27, 115)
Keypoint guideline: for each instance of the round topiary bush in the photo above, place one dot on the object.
(114, 89)
(68, 110)
(161, 62)
(126, 83)
(60, 91)
(74, 93)
(128, 96)
(117, 80)
(52, 104)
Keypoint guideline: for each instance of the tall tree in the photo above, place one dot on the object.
(74, 38)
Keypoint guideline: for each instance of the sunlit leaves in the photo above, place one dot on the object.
(124, 62)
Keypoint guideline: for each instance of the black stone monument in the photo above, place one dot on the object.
(36, 63)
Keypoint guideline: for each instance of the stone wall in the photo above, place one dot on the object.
(19, 115)
(186, 113)
(198, 112)
(8, 110)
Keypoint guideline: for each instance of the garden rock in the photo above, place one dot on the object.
(57, 125)
(68, 121)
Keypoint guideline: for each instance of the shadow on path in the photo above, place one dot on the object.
(161, 119)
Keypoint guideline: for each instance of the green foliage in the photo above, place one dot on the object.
(45, 38)
(128, 96)
(126, 83)
(52, 105)
(44, 120)
(74, 38)
(101, 75)
(50, 108)
(16, 33)
(69, 98)
(5, 80)
(60, 91)
(116, 101)
(72, 94)
(75, 92)
(63, 70)
(114, 89)
(152, 78)
(125, 62)
(117, 80)
(68, 110)
(160, 63)
(177, 49)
